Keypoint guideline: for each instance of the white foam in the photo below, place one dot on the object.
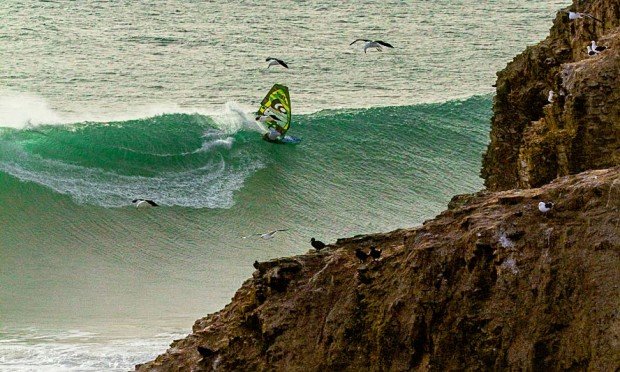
(210, 186)
(23, 110)
(222, 142)
(38, 350)
(20, 110)
(235, 117)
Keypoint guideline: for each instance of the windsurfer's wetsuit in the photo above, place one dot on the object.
(272, 136)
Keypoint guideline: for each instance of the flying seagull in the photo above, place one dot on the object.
(377, 44)
(577, 15)
(144, 203)
(275, 62)
(268, 235)
(597, 48)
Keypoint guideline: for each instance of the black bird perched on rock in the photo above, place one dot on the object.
(317, 244)
(374, 253)
(361, 255)
(255, 265)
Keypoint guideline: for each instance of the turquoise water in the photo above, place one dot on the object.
(101, 103)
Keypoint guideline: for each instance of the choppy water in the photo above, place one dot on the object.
(102, 102)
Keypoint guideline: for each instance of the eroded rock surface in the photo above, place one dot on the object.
(534, 141)
(491, 283)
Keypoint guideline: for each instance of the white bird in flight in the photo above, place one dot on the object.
(144, 203)
(268, 235)
(276, 62)
(577, 15)
(377, 44)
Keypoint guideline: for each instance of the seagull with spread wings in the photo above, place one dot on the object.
(576, 15)
(266, 236)
(376, 44)
(597, 48)
(276, 62)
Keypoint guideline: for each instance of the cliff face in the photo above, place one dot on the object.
(491, 283)
(534, 141)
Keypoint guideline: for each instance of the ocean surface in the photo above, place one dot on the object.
(102, 102)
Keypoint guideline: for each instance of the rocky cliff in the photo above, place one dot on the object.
(533, 140)
(491, 283)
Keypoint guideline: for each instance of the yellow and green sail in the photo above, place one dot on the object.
(276, 109)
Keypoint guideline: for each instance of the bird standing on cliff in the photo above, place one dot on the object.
(545, 207)
(591, 52)
(597, 48)
(576, 15)
(550, 96)
(317, 244)
(376, 44)
(374, 253)
(361, 255)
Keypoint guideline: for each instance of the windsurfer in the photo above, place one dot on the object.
(275, 114)
(274, 131)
